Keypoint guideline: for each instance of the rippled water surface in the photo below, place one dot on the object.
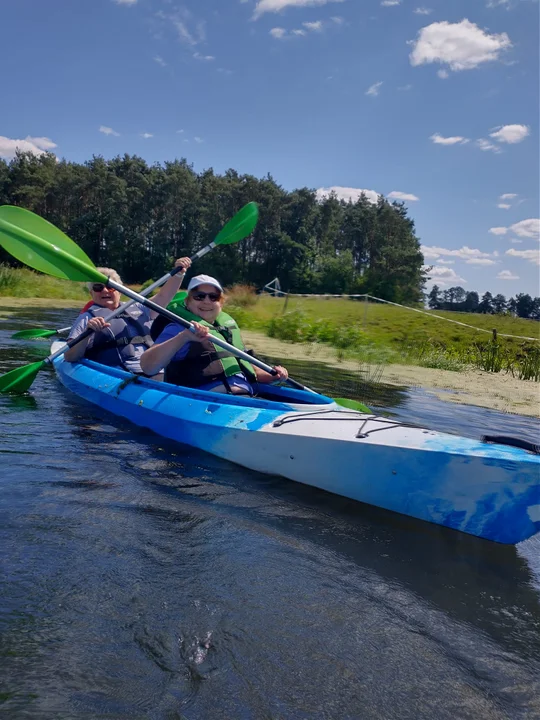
(144, 579)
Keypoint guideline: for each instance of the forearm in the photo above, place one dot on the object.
(168, 291)
(160, 355)
(77, 351)
(263, 376)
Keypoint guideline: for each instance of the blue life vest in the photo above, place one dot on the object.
(126, 339)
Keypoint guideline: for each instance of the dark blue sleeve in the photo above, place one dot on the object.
(170, 331)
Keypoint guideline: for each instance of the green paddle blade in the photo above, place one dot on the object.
(240, 226)
(42, 246)
(20, 379)
(352, 404)
(33, 333)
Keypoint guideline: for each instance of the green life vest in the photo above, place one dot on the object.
(206, 361)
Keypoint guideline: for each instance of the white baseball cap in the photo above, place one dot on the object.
(203, 280)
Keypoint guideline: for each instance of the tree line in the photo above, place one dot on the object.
(137, 217)
(456, 298)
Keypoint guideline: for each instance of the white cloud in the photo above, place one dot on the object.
(504, 206)
(486, 146)
(313, 26)
(480, 261)
(508, 196)
(35, 145)
(398, 195)
(498, 3)
(532, 256)
(511, 133)
(160, 61)
(338, 20)
(390, 3)
(280, 33)
(422, 11)
(454, 140)
(445, 262)
(515, 241)
(264, 6)
(529, 228)
(108, 131)
(373, 90)
(125, 2)
(347, 193)
(404, 88)
(472, 256)
(188, 36)
(443, 74)
(179, 132)
(461, 46)
(445, 276)
(507, 275)
(198, 56)
(146, 135)
(198, 139)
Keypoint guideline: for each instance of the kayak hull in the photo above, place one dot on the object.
(491, 491)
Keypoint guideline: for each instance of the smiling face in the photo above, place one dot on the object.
(105, 297)
(206, 308)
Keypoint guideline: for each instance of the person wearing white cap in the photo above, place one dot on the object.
(191, 359)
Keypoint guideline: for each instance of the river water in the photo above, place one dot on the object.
(146, 580)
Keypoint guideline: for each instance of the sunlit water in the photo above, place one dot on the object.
(144, 579)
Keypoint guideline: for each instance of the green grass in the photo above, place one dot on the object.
(375, 332)
(24, 283)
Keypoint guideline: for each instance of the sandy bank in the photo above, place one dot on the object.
(470, 387)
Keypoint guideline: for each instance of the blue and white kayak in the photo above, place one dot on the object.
(491, 490)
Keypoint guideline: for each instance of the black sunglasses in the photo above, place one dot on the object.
(214, 297)
(99, 287)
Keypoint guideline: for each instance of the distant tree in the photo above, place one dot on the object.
(486, 304)
(471, 302)
(535, 314)
(524, 305)
(511, 306)
(499, 303)
(434, 299)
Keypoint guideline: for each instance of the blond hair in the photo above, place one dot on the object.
(110, 273)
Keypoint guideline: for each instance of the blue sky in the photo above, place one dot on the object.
(431, 101)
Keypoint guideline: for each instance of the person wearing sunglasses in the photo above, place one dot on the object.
(122, 341)
(191, 359)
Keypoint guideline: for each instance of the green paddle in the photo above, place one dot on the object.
(33, 333)
(37, 252)
(238, 228)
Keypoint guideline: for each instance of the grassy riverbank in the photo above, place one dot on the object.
(24, 283)
(381, 334)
